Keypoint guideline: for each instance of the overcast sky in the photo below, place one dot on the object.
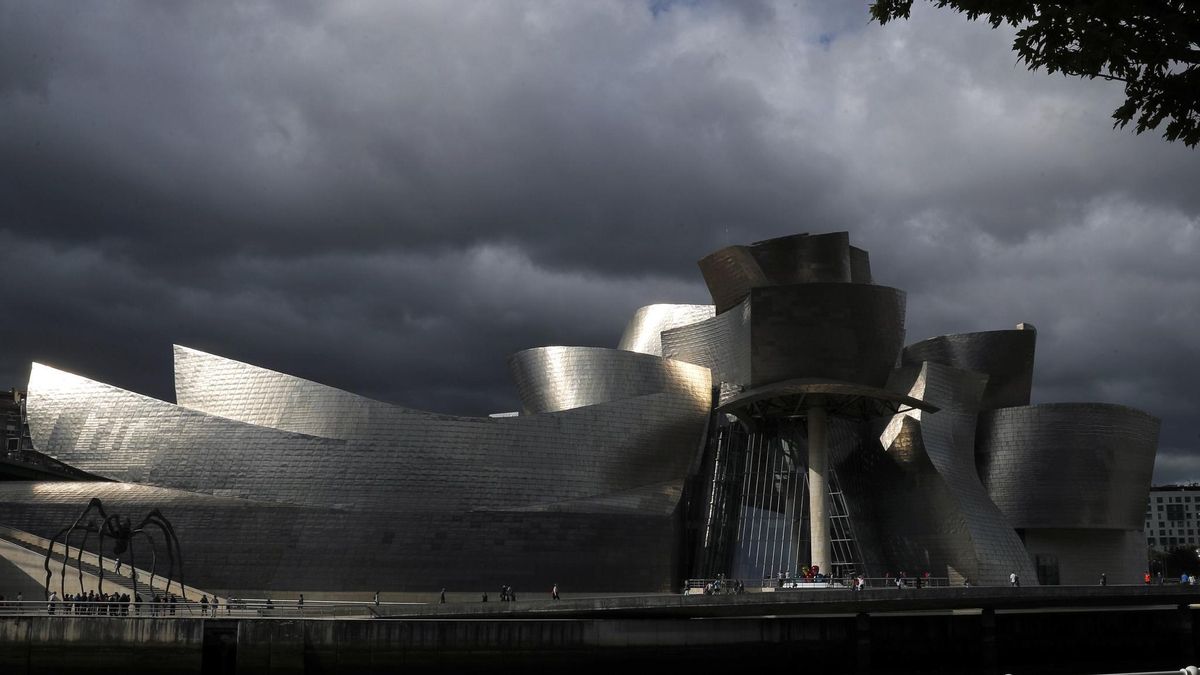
(391, 197)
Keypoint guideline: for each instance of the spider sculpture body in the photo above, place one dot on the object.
(122, 533)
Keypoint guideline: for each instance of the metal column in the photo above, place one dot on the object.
(818, 489)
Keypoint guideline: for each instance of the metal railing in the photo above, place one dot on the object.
(235, 608)
(724, 586)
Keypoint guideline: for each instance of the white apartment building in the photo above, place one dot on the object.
(1173, 517)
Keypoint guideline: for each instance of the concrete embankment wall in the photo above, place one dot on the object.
(46, 644)
(1059, 642)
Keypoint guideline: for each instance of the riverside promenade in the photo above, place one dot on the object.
(952, 630)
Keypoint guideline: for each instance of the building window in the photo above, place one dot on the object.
(1160, 507)
(1158, 499)
(1175, 512)
(1151, 541)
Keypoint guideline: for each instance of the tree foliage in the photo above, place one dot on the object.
(1153, 46)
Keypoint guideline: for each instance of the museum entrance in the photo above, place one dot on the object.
(757, 525)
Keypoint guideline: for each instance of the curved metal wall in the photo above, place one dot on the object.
(1068, 465)
(847, 332)
(244, 546)
(950, 521)
(424, 477)
(238, 391)
(730, 274)
(721, 344)
(644, 331)
(733, 271)
(1005, 356)
(550, 379)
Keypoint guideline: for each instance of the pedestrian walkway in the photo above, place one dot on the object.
(28, 551)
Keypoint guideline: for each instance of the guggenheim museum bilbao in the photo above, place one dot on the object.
(784, 425)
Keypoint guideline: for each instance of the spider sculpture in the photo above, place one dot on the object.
(123, 533)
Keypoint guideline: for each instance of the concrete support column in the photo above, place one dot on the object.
(818, 489)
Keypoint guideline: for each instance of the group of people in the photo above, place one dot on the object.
(1185, 578)
(719, 586)
(93, 603)
(904, 581)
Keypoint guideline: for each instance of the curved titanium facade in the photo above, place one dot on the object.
(844, 332)
(732, 272)
(434, 474)
(246, 546)
(1005, 356)
(239, 391)
(278, 483)
(720, 344)
(937, 513)
(1068, 465)
(644, 331)
(550, 379)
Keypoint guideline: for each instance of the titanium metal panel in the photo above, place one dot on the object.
(244, 547)
(804, 258)
(239, 391)
(733, 271)
(1005, 356)
(721, 344)
(407, 499)
(644, 331)
(1081, 556)
(730, 274)
(860, 266)
(402, 461)
(846, 332)
(1068, 465)
(550, 379)
(950, 521)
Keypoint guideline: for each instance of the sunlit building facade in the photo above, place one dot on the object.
(785, 425)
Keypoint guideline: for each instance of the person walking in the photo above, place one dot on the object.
(442, 600)
(1103, 579)
(1012, 579)
(52, 601)
(376, 598)
(554, 592)
(300, 604)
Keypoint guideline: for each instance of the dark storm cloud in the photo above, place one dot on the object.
(392, 197)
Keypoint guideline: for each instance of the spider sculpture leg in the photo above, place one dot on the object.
(93, 503)
(171, 544)
(87, 531)
(49, 553)
(113, 531)
(153, 560)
